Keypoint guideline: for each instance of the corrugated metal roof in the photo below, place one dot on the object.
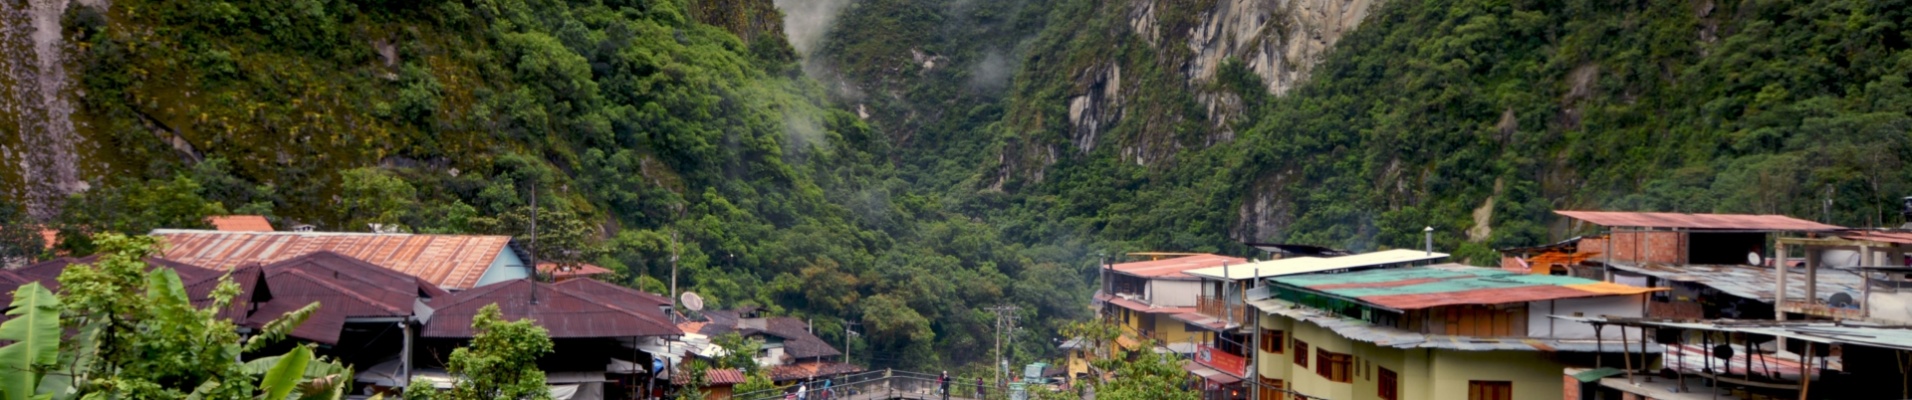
(1746, 222)
(1750, 282)
(1363, 331)
(48, 272)
(798, 342)
(1309, 265)
(563, 311)
(1173, 268)
(1898, 338)
(1894, 237)
(1139, 306)
(714, 377)
(240, 223)
(452, 262)
(1453, 284)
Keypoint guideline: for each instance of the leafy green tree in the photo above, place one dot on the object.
(740, 352)
(693, 388)
(502, 360)
(132, 207)
(371, 195)
(20, 239)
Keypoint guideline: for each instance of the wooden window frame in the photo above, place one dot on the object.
(1272, 389)
(1490, 390)
(1335, 367)
(1389, 387)
(1273, 341)
(1301, 353)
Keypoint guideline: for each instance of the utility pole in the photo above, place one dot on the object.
(673, 275)
(847, 333)
(1005, 321)
(534, 242)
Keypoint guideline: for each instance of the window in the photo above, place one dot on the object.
(1271, 341)
(1272, 389)
(1334, 366)
(1490, 390)
(1301, 353)
(1390, 386)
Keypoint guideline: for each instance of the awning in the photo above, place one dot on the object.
(1212, 375)
(1203, 321)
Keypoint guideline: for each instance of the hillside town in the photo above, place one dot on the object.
(1664, 306)
(1643, 306)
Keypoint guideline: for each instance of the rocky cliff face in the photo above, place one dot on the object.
(1280, 41)
(40, 145)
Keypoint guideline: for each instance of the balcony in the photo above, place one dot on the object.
(1209, 356)
(1235, 313)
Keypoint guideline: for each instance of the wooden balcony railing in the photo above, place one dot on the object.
(1234, 312)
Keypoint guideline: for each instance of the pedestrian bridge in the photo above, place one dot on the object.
(882, 385)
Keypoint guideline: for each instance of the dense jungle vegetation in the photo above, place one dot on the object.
(653, 132)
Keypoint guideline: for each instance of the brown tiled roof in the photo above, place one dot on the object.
(811, 370)
(239, 223)
(562, 310)
(453, 262)
(1172, 268)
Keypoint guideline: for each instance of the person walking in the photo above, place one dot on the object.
(942, 385)
(979, 388)
(802, 391)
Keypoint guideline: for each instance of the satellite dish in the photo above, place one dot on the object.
(1723, 351)
(693, 302)
(1840, 300)
(1753, 258)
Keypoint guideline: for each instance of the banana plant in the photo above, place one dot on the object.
(34, 328)
(40, 365)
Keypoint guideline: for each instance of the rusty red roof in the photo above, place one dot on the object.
(1748, 222)
(563, 311)
(1173, 268)
(48, 272)
(240, 223)
(353, 272)
(713, 377)
(453, 262)
(622, 295)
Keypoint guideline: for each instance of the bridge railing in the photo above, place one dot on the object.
(885, 384)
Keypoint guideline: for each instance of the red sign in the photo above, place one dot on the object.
(1221, 360)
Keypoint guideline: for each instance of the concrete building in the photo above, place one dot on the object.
(1443, 332)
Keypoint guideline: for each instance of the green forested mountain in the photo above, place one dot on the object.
(928, 159)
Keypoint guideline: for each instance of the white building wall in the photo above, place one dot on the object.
(1539, 325)
(1167, 293)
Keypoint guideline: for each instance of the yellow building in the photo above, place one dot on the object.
(1143, 298)
(1445, 332)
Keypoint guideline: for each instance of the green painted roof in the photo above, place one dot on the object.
(1447, 278)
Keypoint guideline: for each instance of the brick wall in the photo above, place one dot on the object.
(1572, 386)
(1666, 247)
